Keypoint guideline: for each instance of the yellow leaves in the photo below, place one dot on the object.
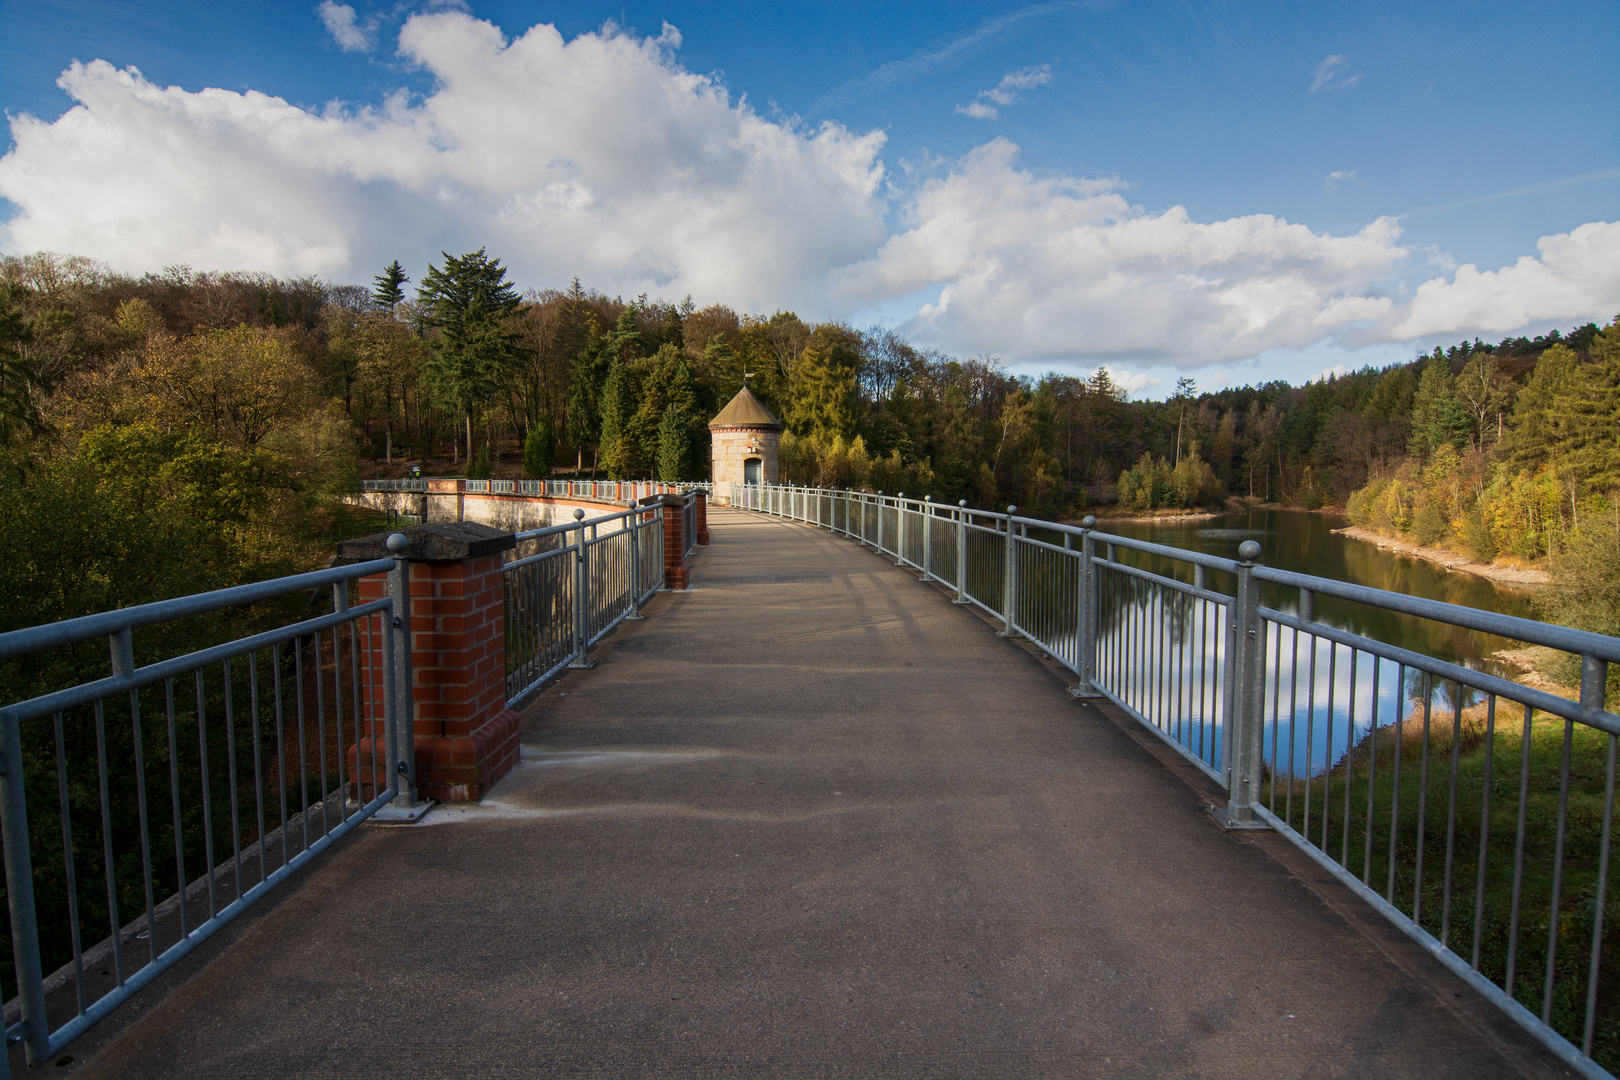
(240, 384)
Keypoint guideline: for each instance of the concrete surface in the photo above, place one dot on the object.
(811, 820)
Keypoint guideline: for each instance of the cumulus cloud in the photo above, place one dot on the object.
(1039, 268)
(1006, 91)
(1333, 74)
(603, 157)
(600, 156)
(1576, 277)
(340, 22)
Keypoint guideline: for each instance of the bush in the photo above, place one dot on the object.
(479, 469)
(1429, 524)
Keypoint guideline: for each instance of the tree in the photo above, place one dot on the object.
(389, 292)
(468, 303)
(1184, 392)
(1437, 416)
(539, 450)
(20, 377)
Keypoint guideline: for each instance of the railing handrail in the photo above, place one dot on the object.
(84, 627)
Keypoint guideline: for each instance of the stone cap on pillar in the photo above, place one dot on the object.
(447, 542)
(665, 499)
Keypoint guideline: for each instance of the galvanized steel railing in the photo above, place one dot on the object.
(144, 810)
(1474, 812)
(569, 585)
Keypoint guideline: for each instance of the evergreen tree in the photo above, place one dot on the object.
(389, 290)
(468, 302)
(674, 445)
(1437, 416)
(618, 449)
(539, 450)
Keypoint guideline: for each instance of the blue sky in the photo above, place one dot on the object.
(992, 179)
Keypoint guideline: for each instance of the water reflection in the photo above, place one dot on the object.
(1321, 697)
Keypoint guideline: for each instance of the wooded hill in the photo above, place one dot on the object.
(292, 379)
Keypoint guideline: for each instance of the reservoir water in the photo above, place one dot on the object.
(1321, 698)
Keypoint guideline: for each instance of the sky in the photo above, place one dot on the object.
(1229, 192)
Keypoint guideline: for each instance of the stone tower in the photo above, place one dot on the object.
(743, 443)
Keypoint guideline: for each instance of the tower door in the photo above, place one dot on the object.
(752, 471)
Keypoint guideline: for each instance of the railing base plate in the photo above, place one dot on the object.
(1084, 692)
(402, 815)
(961, 600)
(635, 618)
(581, 665)
(1223, 817)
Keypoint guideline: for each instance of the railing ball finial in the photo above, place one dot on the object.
(579, 515)
(1088, 522)
(1249, 550)
(928, 498)
(397, 543)
(962, 503)
(1012, 510)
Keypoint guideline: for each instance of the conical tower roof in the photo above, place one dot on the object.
(745, 410)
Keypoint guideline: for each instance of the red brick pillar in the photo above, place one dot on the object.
(703, 518)
(466, 737)
(675, 573)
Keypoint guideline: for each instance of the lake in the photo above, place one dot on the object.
(1321, 698)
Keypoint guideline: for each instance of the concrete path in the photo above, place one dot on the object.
(812, 820)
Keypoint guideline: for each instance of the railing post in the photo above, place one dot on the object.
(1088, 614)
(961, 553)
(928, 536)
(634, 521)
(582, 595)
(404, 721)
(20, 890)
(1245, 723)
(880, 520)
(900, 529)
(1009, 578)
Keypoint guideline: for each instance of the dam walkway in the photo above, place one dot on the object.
(811, 819)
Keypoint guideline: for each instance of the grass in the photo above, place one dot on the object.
(1449, 853)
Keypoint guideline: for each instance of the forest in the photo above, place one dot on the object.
(226, 412)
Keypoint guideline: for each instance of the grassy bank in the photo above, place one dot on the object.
(1456, 820)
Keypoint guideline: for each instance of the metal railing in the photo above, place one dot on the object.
(1473, 812)
(569, 585)
(143, 810)
(618, 491)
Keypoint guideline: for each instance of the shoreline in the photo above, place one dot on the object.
(1451, 560)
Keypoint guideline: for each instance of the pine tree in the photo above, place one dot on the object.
(389, 284)
(674, 445)
(468, 302)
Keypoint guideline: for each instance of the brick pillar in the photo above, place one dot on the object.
(703, 519)
(466, 737)
(675, 573)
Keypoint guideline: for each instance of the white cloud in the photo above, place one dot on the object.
(1337, 177)
(978, 110)
(1056, 268)
(600, 157)
(1130, 381)
(1576, 278)
(1006, 91)
(340, 23)
(1333, 74)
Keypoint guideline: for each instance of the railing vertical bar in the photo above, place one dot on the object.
(258, 764)
(1423, 799)
(1451, 817)
(1558, 873)
(70, 866)
(230, 762)
(207, 795)
(1484, 829)
(1600, 903)
(174, 808)
(116, 931)
(1372, 772)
